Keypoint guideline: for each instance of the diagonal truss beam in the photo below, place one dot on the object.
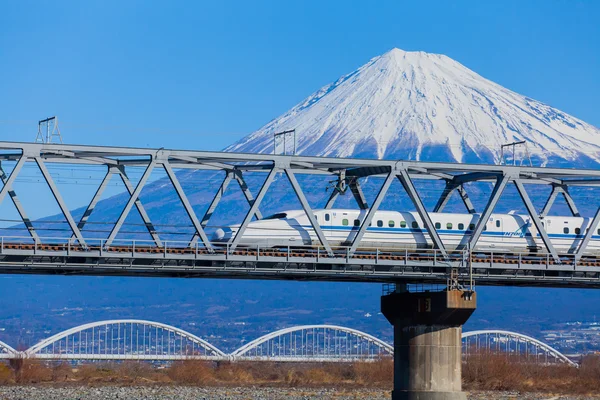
(418, 203)
(19, 206)
(332, 198)
(61, 204)
(536, 219)
(444, 197)
(242, 182)
(92, 204)
(253, 208)
(570, 202)
(133, 198)
(550, 201)
(450, 188)
(308, 210)
(139, 206)
(371, 213)
(556, 190)
(588, 235)
(216, 199)
(358, 194)
(499, 187)
(214, 203)
(11, 179)
(188, 207)
(464, 196)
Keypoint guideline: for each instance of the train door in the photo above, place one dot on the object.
(328, 221)
(499, 227)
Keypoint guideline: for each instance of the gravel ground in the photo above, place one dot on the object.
(185, 393)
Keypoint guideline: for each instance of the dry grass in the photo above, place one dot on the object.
(481, 372)
(497, 372)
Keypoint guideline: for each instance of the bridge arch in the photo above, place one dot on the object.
(310, 342)
(93, 341)
(522, 338)
(7, 351)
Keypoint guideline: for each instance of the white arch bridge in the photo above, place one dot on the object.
(134, 339)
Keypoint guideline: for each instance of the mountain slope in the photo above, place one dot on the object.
(421, 106)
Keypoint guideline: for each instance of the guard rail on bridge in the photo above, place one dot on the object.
(178, 259)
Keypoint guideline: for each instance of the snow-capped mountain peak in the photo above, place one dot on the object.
(422, 106)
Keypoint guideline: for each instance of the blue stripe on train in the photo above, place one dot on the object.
(448, 232)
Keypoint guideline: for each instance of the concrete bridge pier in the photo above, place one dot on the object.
(427, 342)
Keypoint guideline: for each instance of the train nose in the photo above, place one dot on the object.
(219, 234)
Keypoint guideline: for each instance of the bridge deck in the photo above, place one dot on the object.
(311, 263)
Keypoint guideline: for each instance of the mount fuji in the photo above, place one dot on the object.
(422, 106)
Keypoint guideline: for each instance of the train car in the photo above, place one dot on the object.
(405, 230)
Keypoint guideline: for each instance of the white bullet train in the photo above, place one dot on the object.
(405, 230)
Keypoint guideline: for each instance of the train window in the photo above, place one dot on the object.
(485, 227)
(461, 227)
(449, 225)
(497, 223)
(415, 224)
(471, 227)
(403, 225)
(357, 222)
(326, 217)
(577, 231)
(391, 223)
(566, 229)
(380, 223)
(438, 225)
(345, 222)
(598, 231)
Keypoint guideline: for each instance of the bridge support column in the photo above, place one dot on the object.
(427, 342)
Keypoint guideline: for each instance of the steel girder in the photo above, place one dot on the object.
(120, 170)
(358, 194)
(489, 208)
(133, 198)
(19, 207)
(454, 175)
(309, 213)
(229, 176)
(96, 198)
(217, 198)
(588, 235)
(61, 203)
(253, 208)
(536, 220)
(351, 182)
(418, 203)
(450, 188)
(371, 213)
(332, 198)
(188, 207)
(8, 183)
(556, 190)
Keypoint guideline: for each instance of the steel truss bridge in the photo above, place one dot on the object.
(132, 339)
(80, 253)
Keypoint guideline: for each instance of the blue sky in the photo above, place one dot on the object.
(201, 75)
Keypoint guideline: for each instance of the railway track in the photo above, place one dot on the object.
(296, 253)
